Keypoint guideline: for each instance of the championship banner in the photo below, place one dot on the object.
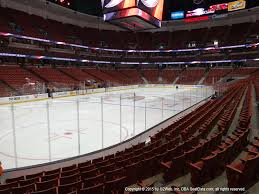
(152, 7)
(236, 5)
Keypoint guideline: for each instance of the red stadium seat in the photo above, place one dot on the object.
(47, 191)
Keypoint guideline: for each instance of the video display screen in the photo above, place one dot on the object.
(132, 18)
(152, 7)
(196, 8)
(116, 5)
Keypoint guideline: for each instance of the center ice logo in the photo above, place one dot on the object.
(150, 3)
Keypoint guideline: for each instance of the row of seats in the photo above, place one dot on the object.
(152, 75)
(121, 77)
(77, 74)
(214, 75)
(169, 75)
(103, 76)
(17, 77)
(192, 76)
(244, 173)
(4, 90)
(177, 160)
(243, 72)
(52, 75)
(214, 163)
(211, 165)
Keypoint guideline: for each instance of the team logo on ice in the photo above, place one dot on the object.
(113, 3)
(150, 3)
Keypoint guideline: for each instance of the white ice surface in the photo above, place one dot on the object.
(31, 126)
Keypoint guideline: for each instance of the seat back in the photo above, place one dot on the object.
(47, 191)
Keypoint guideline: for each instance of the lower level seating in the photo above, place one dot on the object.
(245, 172)
(190, 76)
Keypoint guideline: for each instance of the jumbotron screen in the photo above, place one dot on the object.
(133, 14)
(152, 7)
(179, 9)
(116, 5)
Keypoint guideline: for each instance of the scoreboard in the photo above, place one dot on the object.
(134, 14)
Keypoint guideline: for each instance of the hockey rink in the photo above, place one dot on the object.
(49, 130)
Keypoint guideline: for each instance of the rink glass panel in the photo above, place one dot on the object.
(55, 129)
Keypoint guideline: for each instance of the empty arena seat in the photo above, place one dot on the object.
(9, 185)
(69, 172)
(190, 76)
(17, 77)
(169, 75)
(69, 179)
(113, 174)
(11, 180)
(151, 75)
(245, 172)
(23, 189)
(83, 164)
(32, 176)
(133, 74)
(90, 173)
(44, 185)
(5, 191)
(86, 168)
(115, 185)
(100, 75)
(132, 173)
(77, 74)
(93, 180)
(122, 78)
(54, 76)
(50, 177)
(69, 187)
(29, 181)
(69, 168)
(47, 191)
(51, 172)
(175, 168)
(97, 189)
(202, 171)
(215, 74)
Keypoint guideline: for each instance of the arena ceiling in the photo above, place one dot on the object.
(93, 7)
